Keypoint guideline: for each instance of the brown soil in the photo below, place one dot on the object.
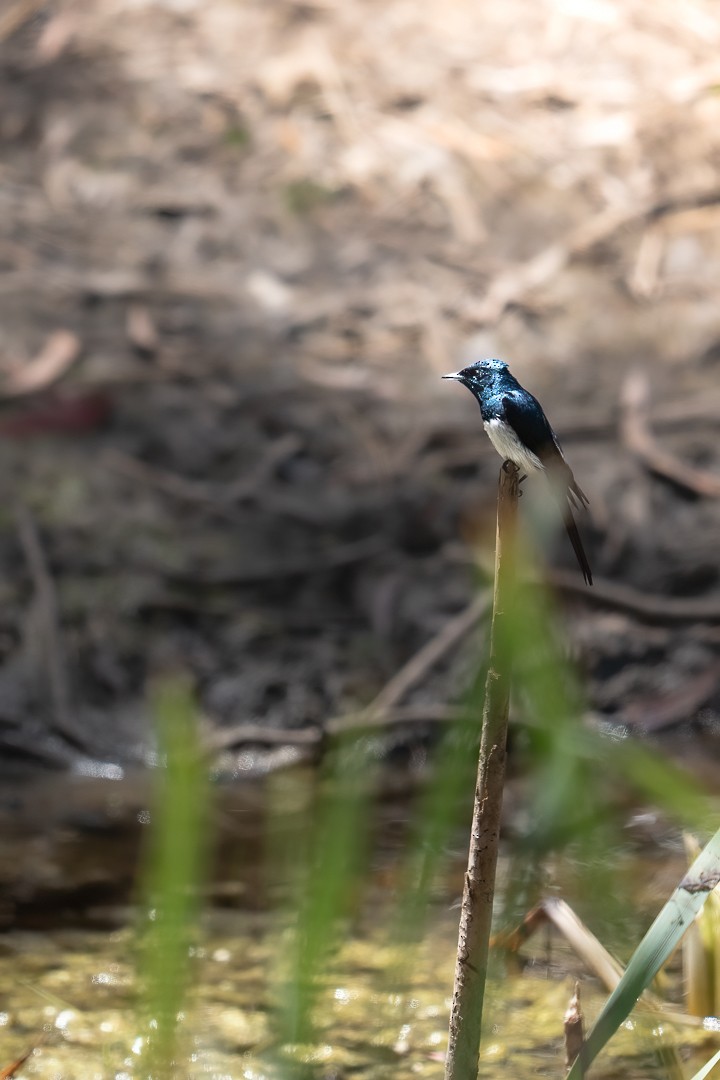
(271, 227)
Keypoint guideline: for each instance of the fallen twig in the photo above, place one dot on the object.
(643, 280)
(200, 491)
(16, 15)
(581, 940)
(396, 717)
(651, 608)
(638, 437)
(301, 566)
(662, 710)
(141, 330)
(429, 655)
(11, 1070)
(224, 738)
(556, 912)
(46, 628)
(56, 357)
(513, 285)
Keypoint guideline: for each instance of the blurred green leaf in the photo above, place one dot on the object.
(236, 136)
(174, 866)
(328, 872)
(304, 196)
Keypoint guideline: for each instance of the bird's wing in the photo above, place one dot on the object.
(525, 414)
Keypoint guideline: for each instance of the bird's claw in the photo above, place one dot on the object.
(509, 467)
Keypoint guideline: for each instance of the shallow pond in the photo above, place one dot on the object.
(381, 1009)
(374, 1020)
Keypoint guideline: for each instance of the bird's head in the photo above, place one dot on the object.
(480, 375)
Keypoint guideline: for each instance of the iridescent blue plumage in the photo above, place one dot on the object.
(521, 433)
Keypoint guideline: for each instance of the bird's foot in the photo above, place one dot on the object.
(510, 469)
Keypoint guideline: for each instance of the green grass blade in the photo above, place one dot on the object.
(663, 783)
(444, 804)
(173, 872)
(653, 951)
(708, 1068)
(335, 855)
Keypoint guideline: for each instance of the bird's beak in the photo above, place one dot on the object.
(453, 375)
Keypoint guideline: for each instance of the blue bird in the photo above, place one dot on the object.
(520, 432)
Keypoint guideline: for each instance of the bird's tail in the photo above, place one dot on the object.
(576, 496)
(573, 533)
(570, 496)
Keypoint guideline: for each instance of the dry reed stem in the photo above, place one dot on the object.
(477, 904)
(573, 1028)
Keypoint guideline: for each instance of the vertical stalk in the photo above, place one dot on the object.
(477, 904)
(172, 879)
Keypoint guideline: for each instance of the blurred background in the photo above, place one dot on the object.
(239, 243)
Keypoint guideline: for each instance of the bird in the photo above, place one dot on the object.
(521, 433)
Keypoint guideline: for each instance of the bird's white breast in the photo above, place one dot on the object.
(509, 446)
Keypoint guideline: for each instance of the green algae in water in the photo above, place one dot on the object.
(364, 1026)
